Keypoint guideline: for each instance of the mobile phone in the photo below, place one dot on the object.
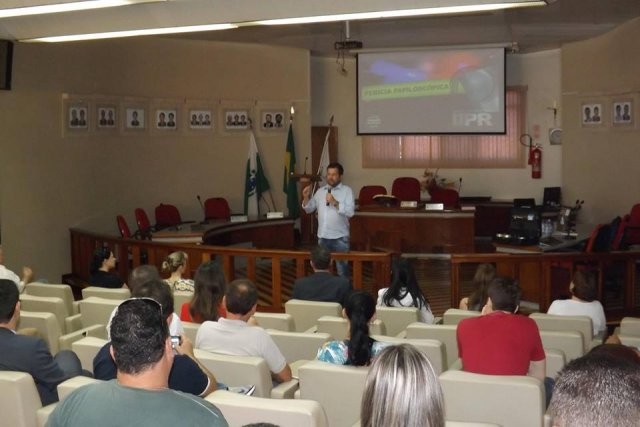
(175, 341)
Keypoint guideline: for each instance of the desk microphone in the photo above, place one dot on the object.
(328, 192)
(305, 165)
(459, 185)
(202, 207)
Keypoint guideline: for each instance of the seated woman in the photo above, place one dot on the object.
(404, 290)
(402, 390)
(484, 275)
(177, 263)
(359, 348)
(206, 304)
(583, 301)
(102, 263)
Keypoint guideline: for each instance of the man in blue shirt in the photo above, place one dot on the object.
(335, 205)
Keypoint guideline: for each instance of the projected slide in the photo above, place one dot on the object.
(431, 91)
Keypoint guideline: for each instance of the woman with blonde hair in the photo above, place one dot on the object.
(177, 263)
(402, 390)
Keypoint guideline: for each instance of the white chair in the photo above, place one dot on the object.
(433, 349)
(20, 405)
(555, 361)
(93, 311)
(396, 319)
(453, 316)
(582, 324)
(240, 410)
(337, 327)
(54, 290)
(446, 334)
(306, 313)
(509, 401)
(630, 327)
(67, 387)
(53, 305)
(191, 330)
(298, 345)
(569, 342)
(47, 326)
(337, 388)
(109, 293)
(86, 349)
(243, 370)
(279, 321)
(179, 298)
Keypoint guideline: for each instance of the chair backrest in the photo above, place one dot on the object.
(630, 326)
(406, 189)
(449, 197)
(555, 361)
(306, 313)
(571, 343)
(446, 334)
(86, 349)
(632, 227)
(46, 324)
(51, 290)
(453, 316)
(338, 327)
(67, 387)
(241, 410)
(216, 208)
(298, 345)
(119, 294)
(20, 399)
(552, 322)
(238, 370)
(337, 388)
(191, 330)
(123, 227)
(365, 197)
(167, 216)
(53, 305)
(179, 298)
(396, 319)
(599, 241)
(278, 321)
(433, 349)
(503, 400)
(144, 226)
(97, 311)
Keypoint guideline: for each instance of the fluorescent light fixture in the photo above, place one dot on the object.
(445, 10)
(68, 7)
(133, 33)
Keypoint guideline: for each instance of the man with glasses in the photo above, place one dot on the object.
(142, 350)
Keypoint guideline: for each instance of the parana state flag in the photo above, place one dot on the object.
(255, 181)
(289, 185)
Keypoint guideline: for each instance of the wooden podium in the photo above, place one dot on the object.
(307, 221)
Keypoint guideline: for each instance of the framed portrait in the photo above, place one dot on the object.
(622, 112)
(135, 118)
(200, 119)
(166, 119)
(591, 114)
(272, 120)
(106, 117)
(77, 116)
(236, 119)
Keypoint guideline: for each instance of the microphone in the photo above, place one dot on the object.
(305, 165)
(328, 192)
(459, 185)
(202, 207)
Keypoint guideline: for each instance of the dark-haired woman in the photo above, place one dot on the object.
(102, 263)
(485, 273)
(359, 348)
(206, 304)
(404, 291)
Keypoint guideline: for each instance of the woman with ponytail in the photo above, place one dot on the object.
(177, 263)
(359, 348)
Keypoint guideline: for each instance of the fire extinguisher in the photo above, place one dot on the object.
(535, 159)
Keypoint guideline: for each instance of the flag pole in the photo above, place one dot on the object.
(326, 141)
(258, 152)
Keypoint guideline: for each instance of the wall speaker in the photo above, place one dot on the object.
(555, 136)
(6, 61)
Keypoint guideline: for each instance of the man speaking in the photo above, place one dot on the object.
(335, 206)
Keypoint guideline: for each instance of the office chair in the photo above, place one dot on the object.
(216, 208)
(406, 189)
(123, 227)
(144, 226)
(367, 192)
(167, 216)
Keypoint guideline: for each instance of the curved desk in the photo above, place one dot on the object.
(266, 233)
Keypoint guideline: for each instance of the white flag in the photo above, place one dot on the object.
(324, 160)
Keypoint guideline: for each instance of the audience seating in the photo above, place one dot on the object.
(86, 349)
(72, 384)
(337, 388)
(93, 311)
(298, 345)
(242, 370)
(51, 290)
(20, 405)
(630, 326)
(179, 298)
(241, 410)
(216, 208)
(396, 319)
(337, 327)
(433, 349)
(453, 316)
(406, 189)
(46, 324)
(508, 401)
(555, 361)
(53, 305)
(446, 334)
(278, 321)
(306, 313)
(569, 342)
(109, 293)
(365, 197)
(191, 330)
(582, 324)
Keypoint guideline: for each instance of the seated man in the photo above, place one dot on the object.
(141, 348)
(234, 336)
(601, 388)
(30, 354)
(5, 273)
(321, 285)
(188, 374)
(500, 342)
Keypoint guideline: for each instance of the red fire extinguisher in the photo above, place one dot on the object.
(535, 159)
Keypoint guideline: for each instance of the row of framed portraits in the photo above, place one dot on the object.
(614, 112)
(83, 115)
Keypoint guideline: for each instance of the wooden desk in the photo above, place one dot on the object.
(266, 233)
(583, 233)
(413, 230)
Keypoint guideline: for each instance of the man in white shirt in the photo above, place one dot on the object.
(234, 336)
(335, 205)
(5, 273)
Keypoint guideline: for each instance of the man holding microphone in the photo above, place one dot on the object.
(335, 205)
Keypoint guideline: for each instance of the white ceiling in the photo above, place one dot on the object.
(532, 28)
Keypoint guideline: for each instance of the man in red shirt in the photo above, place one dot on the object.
(499, 342)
